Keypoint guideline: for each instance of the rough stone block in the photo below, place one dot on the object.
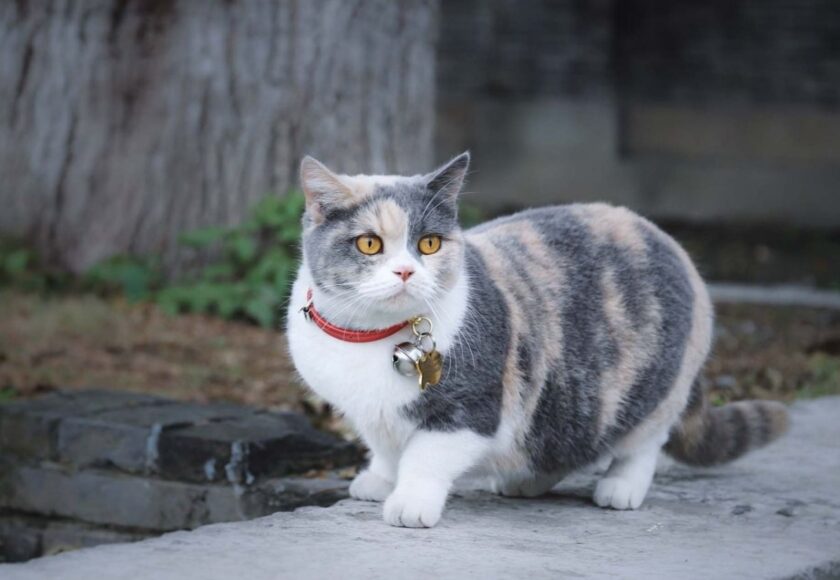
(242, 449)
(287, 494)
(138, 433)
(103, 498)
(110, 498)
(63, 536)
(19, 540)
(23, 537)
(29, 428)
(128, 438)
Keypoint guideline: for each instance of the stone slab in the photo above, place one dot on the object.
(30, 427)
(109, 498)
(128, 438)
(243, 449)
(23, 537)
(775, 514)
(19, 540)
(137, 433)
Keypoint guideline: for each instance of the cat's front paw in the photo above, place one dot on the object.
(619, 493)
(415, 505)
(370, 487)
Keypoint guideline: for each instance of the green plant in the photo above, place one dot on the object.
(22, 269)
(470, 215)
(825, 376)
(253, 271)
(134, 277)
(7, 394)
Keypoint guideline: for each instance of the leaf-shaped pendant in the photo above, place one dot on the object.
(431, 368)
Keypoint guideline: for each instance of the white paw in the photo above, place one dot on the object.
(416, 505)
(619, 493)
(370, 487)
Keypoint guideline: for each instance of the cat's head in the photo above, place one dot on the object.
(382, 248)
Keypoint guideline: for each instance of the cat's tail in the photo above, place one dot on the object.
(708, 435)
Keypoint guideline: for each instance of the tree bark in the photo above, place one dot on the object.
(126, 122)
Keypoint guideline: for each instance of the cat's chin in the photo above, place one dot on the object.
(400, 306)
(396, 308)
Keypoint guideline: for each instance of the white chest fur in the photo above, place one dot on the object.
(358, 378)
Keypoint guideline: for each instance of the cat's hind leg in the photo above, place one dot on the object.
(370, 486)
(521, 484)
(626, 482)
(376, 482)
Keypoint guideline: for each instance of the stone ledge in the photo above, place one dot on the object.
(244, 448)
(30, 428)
(114, 499)
(128, 438)
(774, 514)
(138, 433)
(23, 537)
(102, 462)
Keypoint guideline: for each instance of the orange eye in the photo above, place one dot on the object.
(369, 244)
(429, 244)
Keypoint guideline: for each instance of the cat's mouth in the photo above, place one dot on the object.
(400, 297)
(400, 294)
(396, 299)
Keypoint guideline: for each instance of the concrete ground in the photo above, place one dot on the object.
(775, 514)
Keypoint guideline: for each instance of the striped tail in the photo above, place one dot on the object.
(709, 435)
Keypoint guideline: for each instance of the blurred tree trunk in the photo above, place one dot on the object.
(126, 122)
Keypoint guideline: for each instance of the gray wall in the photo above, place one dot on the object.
(700, 111)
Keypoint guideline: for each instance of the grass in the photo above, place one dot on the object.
(825, 379)
(7, 394)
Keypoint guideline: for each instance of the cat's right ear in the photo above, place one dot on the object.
(323, 188)
(449, 178)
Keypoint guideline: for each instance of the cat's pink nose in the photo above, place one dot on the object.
(404, 272)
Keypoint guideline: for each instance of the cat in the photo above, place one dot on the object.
(568, 334)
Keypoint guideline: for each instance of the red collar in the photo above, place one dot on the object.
(346, 334)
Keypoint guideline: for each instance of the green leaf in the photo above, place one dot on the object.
(202, 297)
(290, 232)
(228, 305)
(268, 212)
(295, 202)
(134, 277)
(244, 248)
(216, 272)
(7, 394)
(170, 300)
(202, 237)
(16, 262)
(260, 311)
(283, 281)
(135, 282)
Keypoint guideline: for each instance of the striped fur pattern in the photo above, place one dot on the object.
(709, 436)
(569, 333)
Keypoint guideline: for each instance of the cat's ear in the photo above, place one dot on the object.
(323, 188)
(449, 178)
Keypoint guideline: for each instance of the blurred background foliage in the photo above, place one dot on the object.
(248, 278)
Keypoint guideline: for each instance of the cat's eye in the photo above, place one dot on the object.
(369, 244)
(429, 244)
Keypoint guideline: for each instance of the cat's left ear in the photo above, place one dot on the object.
(449, 178)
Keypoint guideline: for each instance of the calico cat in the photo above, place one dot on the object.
(567, 334)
